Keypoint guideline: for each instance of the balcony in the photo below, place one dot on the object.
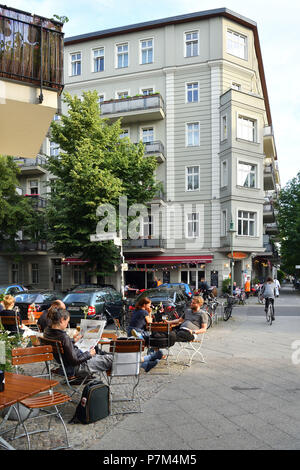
(272, 229)
(24, 247)
(144, 245)
(269, 178)
(134, 109)
(32, 166)
(155, 149)
(268, 213)
(31, 77)
(37, 201)
(269, 142)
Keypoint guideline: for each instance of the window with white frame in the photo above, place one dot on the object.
(33, 186)
(192, 225)
(236, 44)
(75, 63)
(98, 58)
(124, 133)
(224, 128)
(146, 46)
(54, 149)
(224, 223)
(191, 43)
(148, 135)
(192, 178)
(192, 134)
(148, 226)
(147, 91)
(247, 175)
(122, 94)
(34, 273)
(246, 128)
(247, 223)
(122, 55)
(224, 173)
(192, 92)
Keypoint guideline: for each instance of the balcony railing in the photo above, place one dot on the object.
(40, 160)
(23, 246)
(144, 243)
(135, 103)
(37, 201)
(154, 148)
(31, 49)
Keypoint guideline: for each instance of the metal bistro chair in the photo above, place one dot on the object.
(69, 380)
(192, 348)
(11, 320)
(126, 364)
(44, 401)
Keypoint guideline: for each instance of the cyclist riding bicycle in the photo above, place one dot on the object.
(268, 292)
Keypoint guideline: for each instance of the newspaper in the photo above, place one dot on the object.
(91, 331)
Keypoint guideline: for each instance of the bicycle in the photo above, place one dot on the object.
(269, 310)
(228, 307)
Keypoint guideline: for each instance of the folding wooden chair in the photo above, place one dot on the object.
(43, 402)
(192, 348)
(11, 320)
(69, 380)
(126, 364)
(162, 342)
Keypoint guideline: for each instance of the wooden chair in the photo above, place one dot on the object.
(11, 320)
(126, 364)
(69, 380)
(43, 402)
(160, 327)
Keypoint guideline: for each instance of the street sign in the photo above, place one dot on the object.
(100, 237)
(124, 266)
(118, 241)
(297, 266)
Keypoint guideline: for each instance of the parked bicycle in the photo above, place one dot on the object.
(228, 306)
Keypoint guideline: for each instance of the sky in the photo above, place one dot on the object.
(278, 29)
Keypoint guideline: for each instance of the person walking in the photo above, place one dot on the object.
(278, 286)
(247, 287)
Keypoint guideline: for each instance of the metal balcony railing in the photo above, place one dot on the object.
(135, 103)
(144, 243)
(37, 201)
(23, 246)
(31, 49)
(154, 147)
(40, 160)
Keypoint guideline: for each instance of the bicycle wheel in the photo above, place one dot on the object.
(209, 320)
(227, 312)
(269, 314)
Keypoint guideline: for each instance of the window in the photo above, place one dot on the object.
(33, 187)
(223, 223)
(77, 275)
(54, 149)
(76, 63)
(147, 91)
(122, 94)
(246, 128)
(192, 92)
(148, 135)
(191, 44)
(237, 44)
(224, 130)
(247, 223)
(124, 133)
(192, 178)
(247, 175)
(14, 273)
(34, 273)
(224, 173)
(146, 51)
(148, 226)
(192, 225)
(193, 134)
(99, 60)
(122, 55)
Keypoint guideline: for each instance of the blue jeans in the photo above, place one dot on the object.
(155, 356)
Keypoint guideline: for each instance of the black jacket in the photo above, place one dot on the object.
(73, 357)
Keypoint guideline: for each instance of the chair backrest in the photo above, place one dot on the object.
(126, 357)
(10, 320)
(31, 355)
(111, 336)
(159, 327)
(56, 345)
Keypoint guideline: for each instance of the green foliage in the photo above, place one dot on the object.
(10, 341)
(289, 224)
(16, 212)
(226, 286)
(280, 275)
(95, 167)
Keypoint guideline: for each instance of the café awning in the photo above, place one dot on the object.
(74, 261)
(171, 259)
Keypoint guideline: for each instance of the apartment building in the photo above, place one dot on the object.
(193, 89)
(31, 80)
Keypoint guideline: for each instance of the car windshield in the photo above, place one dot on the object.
(158, 295)
(81, 297)
(30, 298)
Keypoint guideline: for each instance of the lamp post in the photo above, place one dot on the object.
(231, 231)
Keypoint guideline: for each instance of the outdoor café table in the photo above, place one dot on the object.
(17, 388)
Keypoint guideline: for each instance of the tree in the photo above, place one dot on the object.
(16, 212)
(95, 167)
(289, 224)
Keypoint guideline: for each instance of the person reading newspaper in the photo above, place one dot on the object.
(90, 334)
(74, 358)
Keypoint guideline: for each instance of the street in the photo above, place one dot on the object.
(246, 396)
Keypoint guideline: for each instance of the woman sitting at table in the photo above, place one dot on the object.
(8, 311)
(75, 359)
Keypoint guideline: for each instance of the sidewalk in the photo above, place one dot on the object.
(246, 396)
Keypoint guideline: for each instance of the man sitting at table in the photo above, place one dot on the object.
(75, 359)
(193, 322)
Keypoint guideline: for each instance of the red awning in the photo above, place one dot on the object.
(74, 261)
(171, 259)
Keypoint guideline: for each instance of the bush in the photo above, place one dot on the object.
(226, 284)
(280, 275)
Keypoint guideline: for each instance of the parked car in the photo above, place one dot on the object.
(181, 285)
(12, 289)
(42, 299)
(173, 301)
(97, 301)
(91, 286)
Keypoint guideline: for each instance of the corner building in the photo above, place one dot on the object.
(192, 88)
